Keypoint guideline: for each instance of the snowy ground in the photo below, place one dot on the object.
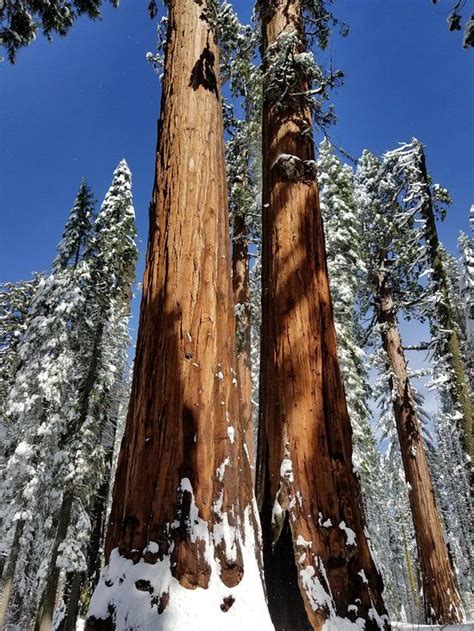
(402, 626)
(396, 626)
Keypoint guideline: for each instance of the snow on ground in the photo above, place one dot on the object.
(404, 626)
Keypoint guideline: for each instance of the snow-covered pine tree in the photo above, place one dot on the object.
(39, 408)
(427, 201)
(182, 544)
(15, 300)
(20, 21)
(466, 246)
(394, 261)
(82, 479)
(317, 557)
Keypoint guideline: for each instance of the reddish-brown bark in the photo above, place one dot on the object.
(304, 464)
(441, 598)
(241, 286)
(183, 420)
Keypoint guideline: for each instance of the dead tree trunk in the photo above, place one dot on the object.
(182, 529)
(317, 557)
(441, 599)
(451, 347)
(241, 287)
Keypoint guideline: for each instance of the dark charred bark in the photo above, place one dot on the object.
(307, 489)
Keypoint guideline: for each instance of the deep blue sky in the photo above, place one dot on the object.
(75, 107)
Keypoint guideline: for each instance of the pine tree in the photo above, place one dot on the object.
(393, 259)
(317, 558)
(427, 200)
(15, 300)
(109, 267)
(182, 543)
(466, 246)
(38, 408)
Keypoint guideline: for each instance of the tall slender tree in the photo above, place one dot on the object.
(426, 199)
(393, 256)
(182, 542)
(319, 567)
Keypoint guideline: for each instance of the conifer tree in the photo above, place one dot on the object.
(38, 408)
(466, 246)
(15, 300)
(38, 411)
(427, 200)
(108, 267)
(182, 542)
(393, 258)
(318, 562)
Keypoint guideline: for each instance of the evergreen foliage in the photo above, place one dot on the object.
(64, 402)
(21, 21)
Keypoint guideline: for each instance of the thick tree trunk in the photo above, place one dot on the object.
(446, 322)
(181, 545)
(44, 618)
(241, 287)
(8, 574)
(317, 557)
(441, 599)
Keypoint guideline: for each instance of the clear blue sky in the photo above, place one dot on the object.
(75, 107)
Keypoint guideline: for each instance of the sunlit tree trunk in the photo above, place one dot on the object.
(441, 599)
(182, 524)
(317, 557)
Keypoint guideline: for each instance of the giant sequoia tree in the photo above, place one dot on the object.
(181, 548)
(317, 558)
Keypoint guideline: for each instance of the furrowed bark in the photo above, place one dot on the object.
(446, 321)
(442, 603)
(182, 516)
(318, 563)
(241, 287)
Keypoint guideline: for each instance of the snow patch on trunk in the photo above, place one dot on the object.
(146, 597)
